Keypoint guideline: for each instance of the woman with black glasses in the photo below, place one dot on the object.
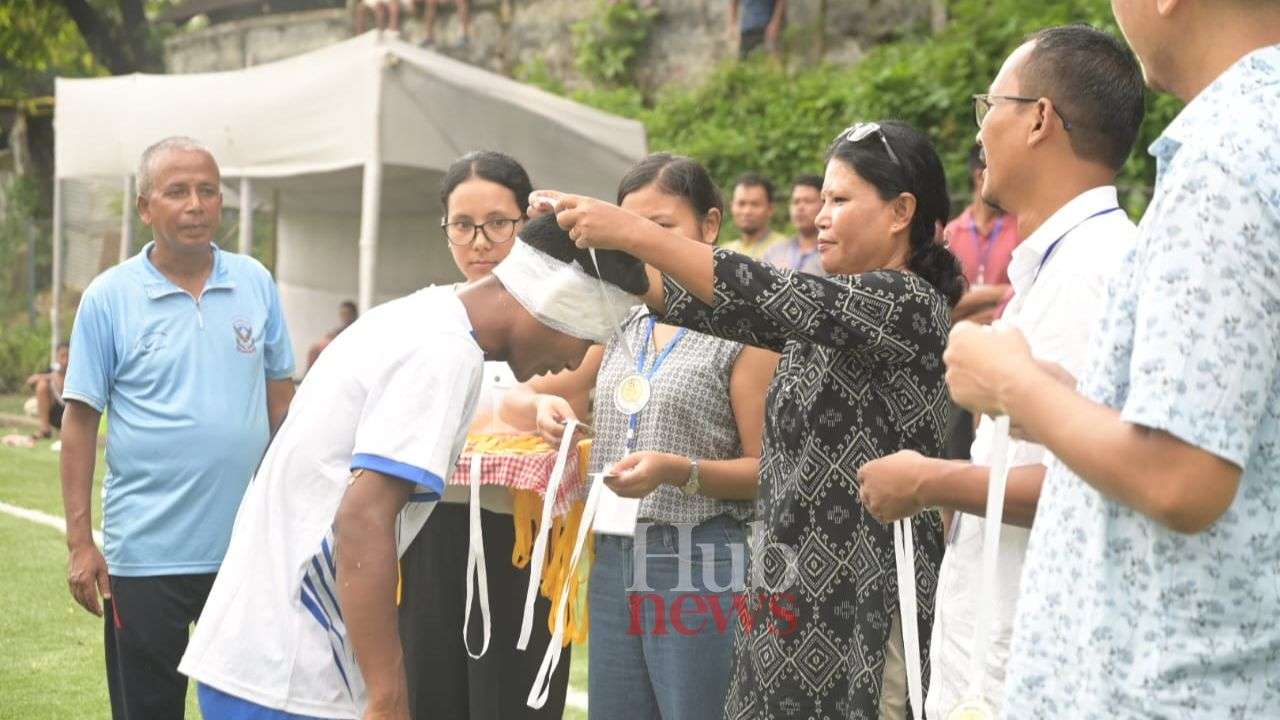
(482, 194)
(861, 374)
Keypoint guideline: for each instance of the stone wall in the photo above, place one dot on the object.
(241, 43)
(690, 39)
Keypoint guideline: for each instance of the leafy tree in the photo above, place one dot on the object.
(118, 33)
(38, 41)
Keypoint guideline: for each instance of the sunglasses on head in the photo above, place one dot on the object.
(861, 131)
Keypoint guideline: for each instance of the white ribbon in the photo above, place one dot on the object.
(542, 681)
(904, 557)
(544, 530)
(607, 298)
(476, 574)
(562, 295)
(1000, 457)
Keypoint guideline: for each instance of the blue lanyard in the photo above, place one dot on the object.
(1054, 246)
(985, 244)
(634, 420)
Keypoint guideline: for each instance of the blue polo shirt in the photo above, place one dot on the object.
(183, 382)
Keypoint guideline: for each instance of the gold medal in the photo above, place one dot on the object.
(971, 709)
(632, 394)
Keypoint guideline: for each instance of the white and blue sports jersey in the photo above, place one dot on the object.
(394, 393)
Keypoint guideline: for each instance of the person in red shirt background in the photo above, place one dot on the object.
(983, 238)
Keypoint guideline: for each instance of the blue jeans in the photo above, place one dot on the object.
(662, 644)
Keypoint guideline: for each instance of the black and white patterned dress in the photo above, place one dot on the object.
(861, 377)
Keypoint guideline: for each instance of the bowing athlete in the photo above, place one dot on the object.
(301, 621)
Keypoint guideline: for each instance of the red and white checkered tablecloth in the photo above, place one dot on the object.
(526, 471)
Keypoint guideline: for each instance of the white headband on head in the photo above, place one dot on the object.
(561, 295)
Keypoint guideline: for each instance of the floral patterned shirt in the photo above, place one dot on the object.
(1119, 616)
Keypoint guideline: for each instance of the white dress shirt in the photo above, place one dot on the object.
(1059, 275)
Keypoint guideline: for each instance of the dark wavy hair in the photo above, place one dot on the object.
(675, 175)
(616, 267)
(920, 173)
(488, 165)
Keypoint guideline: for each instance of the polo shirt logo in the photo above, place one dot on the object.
(244, 335)
(151, 342)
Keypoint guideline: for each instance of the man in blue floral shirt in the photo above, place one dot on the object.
(1152, 581)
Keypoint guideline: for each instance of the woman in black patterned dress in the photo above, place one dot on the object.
(861, 376)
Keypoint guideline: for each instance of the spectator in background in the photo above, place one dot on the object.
(48, 394)
(800, 251)
(347, 314)
(429, 20)
(752, 209)
(185, 346)
(756, 23)
(386, 14)
(983, 238)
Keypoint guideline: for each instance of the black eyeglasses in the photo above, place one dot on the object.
(983, 103)
(496, 231)
(861, 131)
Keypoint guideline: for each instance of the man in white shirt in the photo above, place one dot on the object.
(352, 475)
(1057, 125)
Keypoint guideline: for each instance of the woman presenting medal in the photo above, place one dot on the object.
(677, 421)
(861, 375)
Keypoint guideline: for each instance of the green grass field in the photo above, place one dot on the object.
(52, 664)
(12, 404)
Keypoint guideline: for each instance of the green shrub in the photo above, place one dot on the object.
(23, 350)
(760, 116)
(754, 116)
(610, 41)
(538, 74)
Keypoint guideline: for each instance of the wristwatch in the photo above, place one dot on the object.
(692, 485)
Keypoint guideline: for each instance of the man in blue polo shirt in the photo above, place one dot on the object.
(184, 347)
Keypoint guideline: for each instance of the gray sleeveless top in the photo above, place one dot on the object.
(689, 414)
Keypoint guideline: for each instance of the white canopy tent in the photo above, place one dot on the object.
(352, 141)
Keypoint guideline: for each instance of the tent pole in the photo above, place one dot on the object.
(370, 207)
(371, 198)
(246, 217)
(55, 321)
(126, 219)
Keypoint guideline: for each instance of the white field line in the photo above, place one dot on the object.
(42, 518)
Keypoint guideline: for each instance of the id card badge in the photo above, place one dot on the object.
(616, 515)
